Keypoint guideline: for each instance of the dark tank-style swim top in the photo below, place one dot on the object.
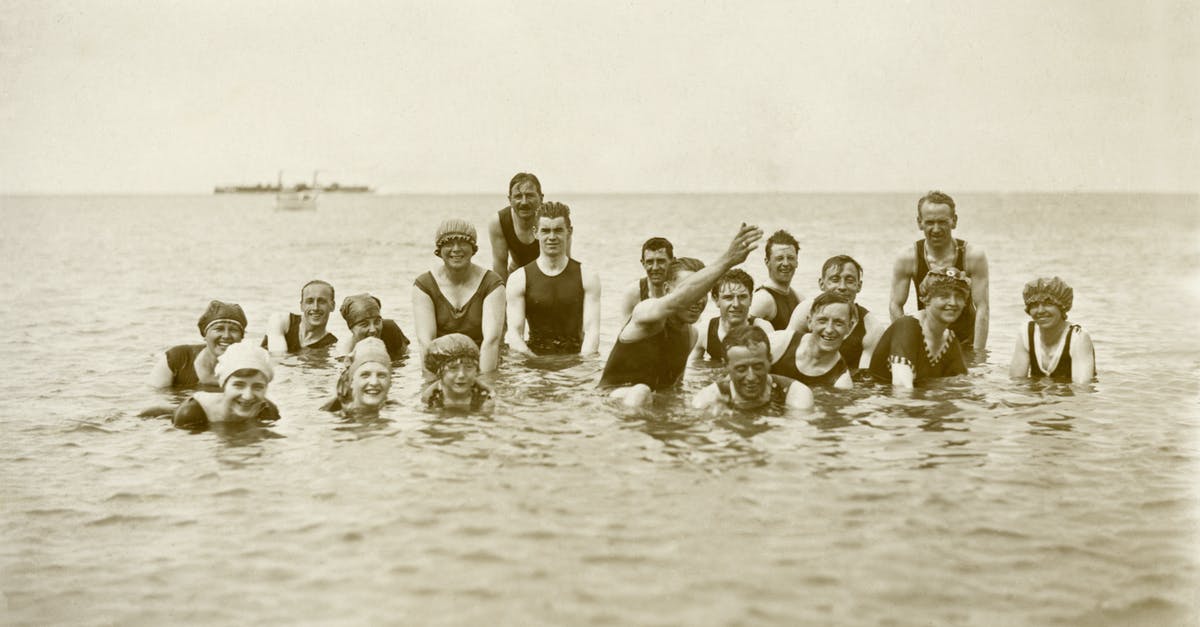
(293, 336)
(1062, 372)
(657, 361)
(467, 319)
(522, 254)
(964, 327)
(554, 309)
(182, 362)
(785, 304)
(643, 289)
(191, 415)
(786, 366)
(852, 347)
(779, 391)
(394, 339)
(712, 344)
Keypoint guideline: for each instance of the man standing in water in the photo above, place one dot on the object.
(289, 332)
(731, 293)
(652, 348)
(748, 382)
(842, 274)
(775, 300)
(560, 301)
(512, 230)
(939, 250)
(657, 254)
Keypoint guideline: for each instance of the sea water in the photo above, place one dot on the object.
(980, 501)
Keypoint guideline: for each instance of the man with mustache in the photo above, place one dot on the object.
(731, 293)
(651, 350)
(291, 332)
(775, 300)
(748, 382)
(558, 299)
(657, 254)
(842, 274)
(512, 230)
(939, 250)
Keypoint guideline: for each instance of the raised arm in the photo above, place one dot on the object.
(650, 313)
(499, 247)
(902, 274)
(514, 296)
(591, 313)
(1083, 357)
(977, 269)
(493, 330)
(277, 326)
(762, 305)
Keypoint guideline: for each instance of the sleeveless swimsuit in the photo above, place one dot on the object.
(1062, 372)
(712, 344)
(467, 319)
(852, 347)
(964, 327)
(191, 415)
(779, 391)
(292, 336)
(554, 309)
(657, 361)
(785, 304)
(522, 254)
(643, 289)
(786, 366)
(904, 342)
(182, 362)
(394, 339)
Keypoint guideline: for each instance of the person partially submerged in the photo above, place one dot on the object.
(243, 371)
(289, 332)
(363, 317)
(362, 388)
(454, 360)
(923, 346)
(748, 382)
(1049, 346)
(189, 365)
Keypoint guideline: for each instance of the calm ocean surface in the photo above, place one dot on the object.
(980, 502)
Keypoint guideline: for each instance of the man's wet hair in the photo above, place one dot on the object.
(938, 198)
(839, 262)
(554, 210)
(733, 275)
(658, 243)
(521, 177)
(747, 336)
(781, 238)
(832, 297)
(683, 264)
(332, 299)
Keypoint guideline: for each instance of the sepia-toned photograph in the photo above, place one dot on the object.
(519, 312)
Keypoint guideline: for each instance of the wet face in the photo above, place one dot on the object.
(458, 376)
(937, 222)
(781, 263)
(371, 327)
(845, 281)
(553, 235)
(316, 301)
(1046, 314)
(691, 314)
(733, 301)
(946, 304)
(457, 253)
(830, 325)
(244, 395)
(370, 384)
(656, 263)
(749, 369)
(525, 199)
(219, 336)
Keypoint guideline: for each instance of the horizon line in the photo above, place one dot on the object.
(617, 192)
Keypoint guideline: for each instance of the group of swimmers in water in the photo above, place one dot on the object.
(774, 345)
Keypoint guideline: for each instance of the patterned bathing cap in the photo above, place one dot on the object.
(244, 355)
(454, 229)
(449, 348)
(221, 312)
(951, 278)
(360, 307)
(1053, 290)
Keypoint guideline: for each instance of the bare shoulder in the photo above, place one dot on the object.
(494, 226)
(974, 255)
(906, 260)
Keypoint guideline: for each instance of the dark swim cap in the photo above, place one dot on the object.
(359, 307)
(221, 312)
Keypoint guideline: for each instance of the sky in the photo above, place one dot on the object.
(649, 96)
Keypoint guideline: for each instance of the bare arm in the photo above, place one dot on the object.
(649, 314)
(902, 375)
(706, 397)
(762, 305)
(799, 320)
(1083, 358)
(844, 382)
(902, 273)
(874, 329)
(1018, 368)
(493, 330)
(424, 319)
(799, 396)
(277, 326)
(515, 298)
(629, 300)
(591, 314)
(699, 348)
(977, 269)
(160, 375)
(499, 247)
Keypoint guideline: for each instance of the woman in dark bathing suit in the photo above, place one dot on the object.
(189, 365)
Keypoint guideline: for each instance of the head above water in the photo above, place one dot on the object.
(950, 279)
(733, 276)
(448, 349)
(359, 308)
(834, 297)
(221, 312)
(747, 336)
(317, 286)
(681, 265)
(551, 210)
(1051, 290)
(244, 355)
(366, 380)
(781, 239)
(455, 230)
(936, 197)
(524, 177)
(658, 244)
